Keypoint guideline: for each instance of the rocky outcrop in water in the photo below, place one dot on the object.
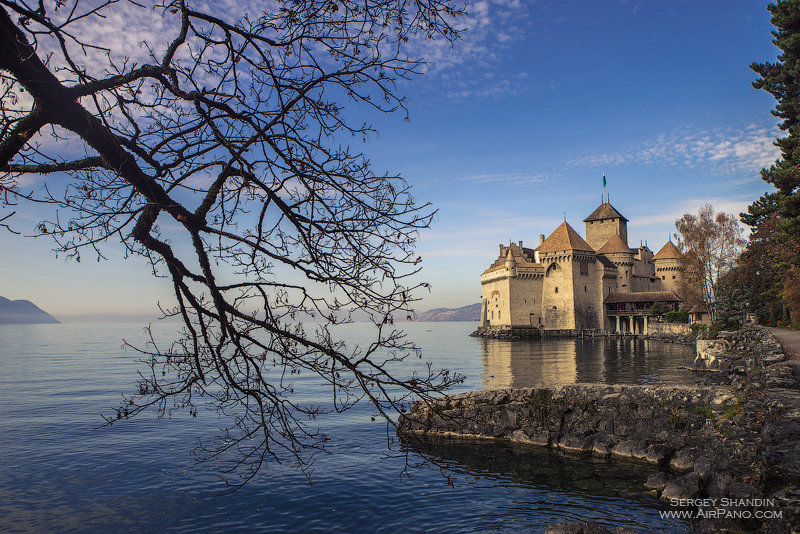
(724, 450)
(507, 333)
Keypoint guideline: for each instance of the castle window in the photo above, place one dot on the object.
(663, 277)
(498, 314)
(673, 277)
(584, 289)
(557, 288)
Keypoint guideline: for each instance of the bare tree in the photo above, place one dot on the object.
(711, 245)
(228, 136)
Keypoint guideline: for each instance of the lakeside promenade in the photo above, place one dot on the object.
(790, 341)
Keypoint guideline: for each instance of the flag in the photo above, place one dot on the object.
(604, 179)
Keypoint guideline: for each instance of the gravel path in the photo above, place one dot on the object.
(789, 338)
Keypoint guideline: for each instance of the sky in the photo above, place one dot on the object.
(510, 133)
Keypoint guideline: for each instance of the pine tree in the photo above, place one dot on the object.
(782, 80)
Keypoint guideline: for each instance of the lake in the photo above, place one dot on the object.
(60, 474)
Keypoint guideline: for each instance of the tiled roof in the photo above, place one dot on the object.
(608, 264)
(615, 245)
(524, 255)
(604, 211)
(644, 296)
(564, 238)
(668, 252)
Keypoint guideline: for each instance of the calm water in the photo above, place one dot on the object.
(57, 474)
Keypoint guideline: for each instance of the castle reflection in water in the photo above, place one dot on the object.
(603, 360)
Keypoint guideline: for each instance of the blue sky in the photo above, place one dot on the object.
(510, 132)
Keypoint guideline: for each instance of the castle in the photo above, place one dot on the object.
(567, 283)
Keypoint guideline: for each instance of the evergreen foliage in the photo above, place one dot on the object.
(771, 265)
(732, 301)
(677, 317)
(658, 309)
(780, 79)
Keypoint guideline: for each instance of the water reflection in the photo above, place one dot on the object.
(611, 360)
(551, 487)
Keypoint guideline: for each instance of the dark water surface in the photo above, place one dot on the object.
(58, 474)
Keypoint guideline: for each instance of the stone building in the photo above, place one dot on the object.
(570, 284)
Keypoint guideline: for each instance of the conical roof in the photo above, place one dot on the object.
(668, 252)
(615, 245)
(510, 256)
(605, 211)
(564, 238)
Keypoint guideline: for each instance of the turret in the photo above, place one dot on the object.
(511, 264)
(669, 267)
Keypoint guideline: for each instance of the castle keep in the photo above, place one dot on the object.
(571, 284)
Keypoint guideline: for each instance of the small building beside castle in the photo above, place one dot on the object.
(568, 284)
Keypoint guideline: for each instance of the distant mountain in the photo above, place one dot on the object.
(467, 313)
(23, 312)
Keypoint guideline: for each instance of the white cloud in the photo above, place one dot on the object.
(718, 151)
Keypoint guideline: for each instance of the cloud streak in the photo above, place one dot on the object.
(718, 151)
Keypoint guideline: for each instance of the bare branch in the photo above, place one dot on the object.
(219, 158)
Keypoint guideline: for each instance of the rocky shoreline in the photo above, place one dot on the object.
(729, 451)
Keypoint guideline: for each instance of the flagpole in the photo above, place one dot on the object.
(604, 183)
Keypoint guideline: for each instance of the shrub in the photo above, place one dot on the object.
(714, 330)
(677, 317)
(697, 328)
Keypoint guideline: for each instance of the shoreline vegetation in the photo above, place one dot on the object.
(737, 437)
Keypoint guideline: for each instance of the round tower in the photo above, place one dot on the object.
(669, 268)
(618, 253)
(511, 264)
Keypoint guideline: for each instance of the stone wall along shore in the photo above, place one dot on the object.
(736, 438)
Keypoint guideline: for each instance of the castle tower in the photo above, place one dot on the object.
(511, 289)
(571, 288)
(604, 223)
(618, 253)
(669, 268)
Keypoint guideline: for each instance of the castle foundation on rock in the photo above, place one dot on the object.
(568, 285)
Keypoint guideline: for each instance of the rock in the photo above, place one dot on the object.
(787, 502)
(685, 458)
(657, 481)
(631, 449)
(603, 445)
(686, 487)
(659, 454)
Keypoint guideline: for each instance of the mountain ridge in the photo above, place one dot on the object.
(23, 312)
(471, 312)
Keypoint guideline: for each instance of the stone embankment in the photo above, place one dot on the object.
(737, 438)
(671, 333)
